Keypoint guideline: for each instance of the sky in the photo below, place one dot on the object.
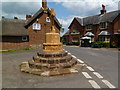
(66, 10)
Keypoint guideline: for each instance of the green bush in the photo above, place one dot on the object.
(113, 44)
(76, 43)
(106, 44)
(103, 44)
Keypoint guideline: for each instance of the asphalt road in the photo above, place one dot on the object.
(103, 61)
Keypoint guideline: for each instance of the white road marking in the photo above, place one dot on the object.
(86, 75)
(108, 84)
(66, 51)
(69, 53)
(97, 74)
(90, 68)
(80, 61)
(74, 56)
(94, 84)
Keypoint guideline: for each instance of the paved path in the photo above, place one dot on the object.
(101, 71)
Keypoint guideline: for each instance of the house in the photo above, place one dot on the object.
(18, 34)
(104, 27)
(40, 24)
(14, 35)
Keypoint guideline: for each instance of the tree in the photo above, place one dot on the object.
(62, 30)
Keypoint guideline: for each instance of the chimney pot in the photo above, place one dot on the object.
(3, 17)
(103, 11)
(15, 17)
(28, 17)
(44, 4)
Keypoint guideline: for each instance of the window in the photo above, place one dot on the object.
(24, 38)
(75, 39)
(36, 26)
(119, 30)
(104, 38)
(107, 39)
(47, 19)
(75, 29)
(92, 39)
(74, 33)
(103, 25)
(89, 27)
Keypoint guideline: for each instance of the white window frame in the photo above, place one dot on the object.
(103, 25)
(24, 38)
(75, 30)
(89, 27)
(104, 39)
(36, 26)
(119, 30)
(107, 39)
(47, 19)
(75, 39)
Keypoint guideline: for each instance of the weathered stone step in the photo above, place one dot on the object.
(47, 66)
(38, 59)
(48, 55)
(68, 64)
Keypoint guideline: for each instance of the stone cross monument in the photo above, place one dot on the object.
(52, 44)
(52, 60)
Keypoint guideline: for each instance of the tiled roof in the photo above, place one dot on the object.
(31, 20)
(91, 20)
(107, 17)
(80, 20)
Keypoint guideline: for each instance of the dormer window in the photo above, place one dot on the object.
(24, 38)
(36, 26)
(103, 25)
(89, 27)
(37, 20)
(47, 19)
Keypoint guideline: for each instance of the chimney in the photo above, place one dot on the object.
(15, 17)
(28, 17)
(3, 17)
(103, 11)
(44, 4)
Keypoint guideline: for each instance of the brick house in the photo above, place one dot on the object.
(18, 34)
(104, 27)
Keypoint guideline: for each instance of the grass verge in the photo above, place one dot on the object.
(25, 49)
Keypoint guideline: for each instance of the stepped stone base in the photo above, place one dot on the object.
(47, 64)
(52, 47)
(52, 44)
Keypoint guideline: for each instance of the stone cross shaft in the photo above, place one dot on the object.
(53, 14)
